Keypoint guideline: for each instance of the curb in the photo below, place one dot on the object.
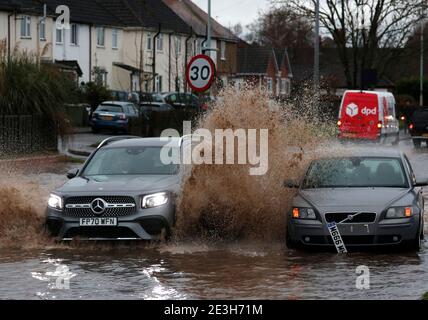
(81, 130)
(27, 158)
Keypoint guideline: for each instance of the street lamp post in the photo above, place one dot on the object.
(421, 74)
(209, 29)
(317, 53)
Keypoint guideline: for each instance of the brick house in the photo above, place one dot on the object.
(264, 67)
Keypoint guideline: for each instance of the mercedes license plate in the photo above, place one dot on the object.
(98, 222)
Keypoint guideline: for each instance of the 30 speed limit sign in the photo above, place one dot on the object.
(200, 73)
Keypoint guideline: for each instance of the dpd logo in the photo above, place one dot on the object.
(366, 111)
(352, 110)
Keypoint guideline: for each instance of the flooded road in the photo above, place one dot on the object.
(241, 270)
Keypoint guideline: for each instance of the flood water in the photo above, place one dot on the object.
(237, 270)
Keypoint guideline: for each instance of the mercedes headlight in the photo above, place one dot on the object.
(55, 202)
(399, 212)
(155, 200)
(304, 213)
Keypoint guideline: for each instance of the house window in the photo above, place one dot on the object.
(135, 81)
(59, 36)
(115, 38)
(42, 29)
(269, 85)
(282, 86)
(74, 34)
(26, 27)
(100, 37)
(159, 42)
(223, 50)
(104, 78)
(285, 86)
(177, 45)
(100, 76)
(149, 41)
(158, 84)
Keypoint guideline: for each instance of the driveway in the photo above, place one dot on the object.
(82, 144)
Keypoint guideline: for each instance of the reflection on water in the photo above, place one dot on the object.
(233, 271)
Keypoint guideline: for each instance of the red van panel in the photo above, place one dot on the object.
(359, 116)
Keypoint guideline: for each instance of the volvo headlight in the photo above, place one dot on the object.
(155, 200)
(304, 213)
(55, 202)
(399, 212)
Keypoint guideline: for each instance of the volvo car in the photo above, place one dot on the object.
(372, 196)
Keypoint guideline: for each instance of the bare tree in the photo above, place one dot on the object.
(282, 27)
(237, 29)
(369, 34)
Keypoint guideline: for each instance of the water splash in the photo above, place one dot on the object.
(224, 201)
(217, 201)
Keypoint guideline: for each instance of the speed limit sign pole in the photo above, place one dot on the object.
(200, 73)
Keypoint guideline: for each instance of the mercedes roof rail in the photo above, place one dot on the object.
(107, 141)
(190, 137)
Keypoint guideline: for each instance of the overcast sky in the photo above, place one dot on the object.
(230, 12)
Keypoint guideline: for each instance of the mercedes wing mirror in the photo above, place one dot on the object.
(291, 184)
(421, 183)
(72, 173)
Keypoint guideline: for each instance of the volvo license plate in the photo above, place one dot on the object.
(336, 237)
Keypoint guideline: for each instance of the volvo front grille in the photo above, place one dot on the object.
(350, 217)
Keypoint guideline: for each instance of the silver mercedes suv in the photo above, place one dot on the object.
(123, 192)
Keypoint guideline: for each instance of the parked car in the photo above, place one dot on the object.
(372, 196)
(206, 102)
(151, 103)
(113, 115)
(147, 108)
(369, 116)
(119, 95)
(151, 97)
(123, 192)
(418, 127)
(181, 100)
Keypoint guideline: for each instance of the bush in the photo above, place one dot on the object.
(94, 93)
(411, 87)
(28, 87)
(405, 103)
